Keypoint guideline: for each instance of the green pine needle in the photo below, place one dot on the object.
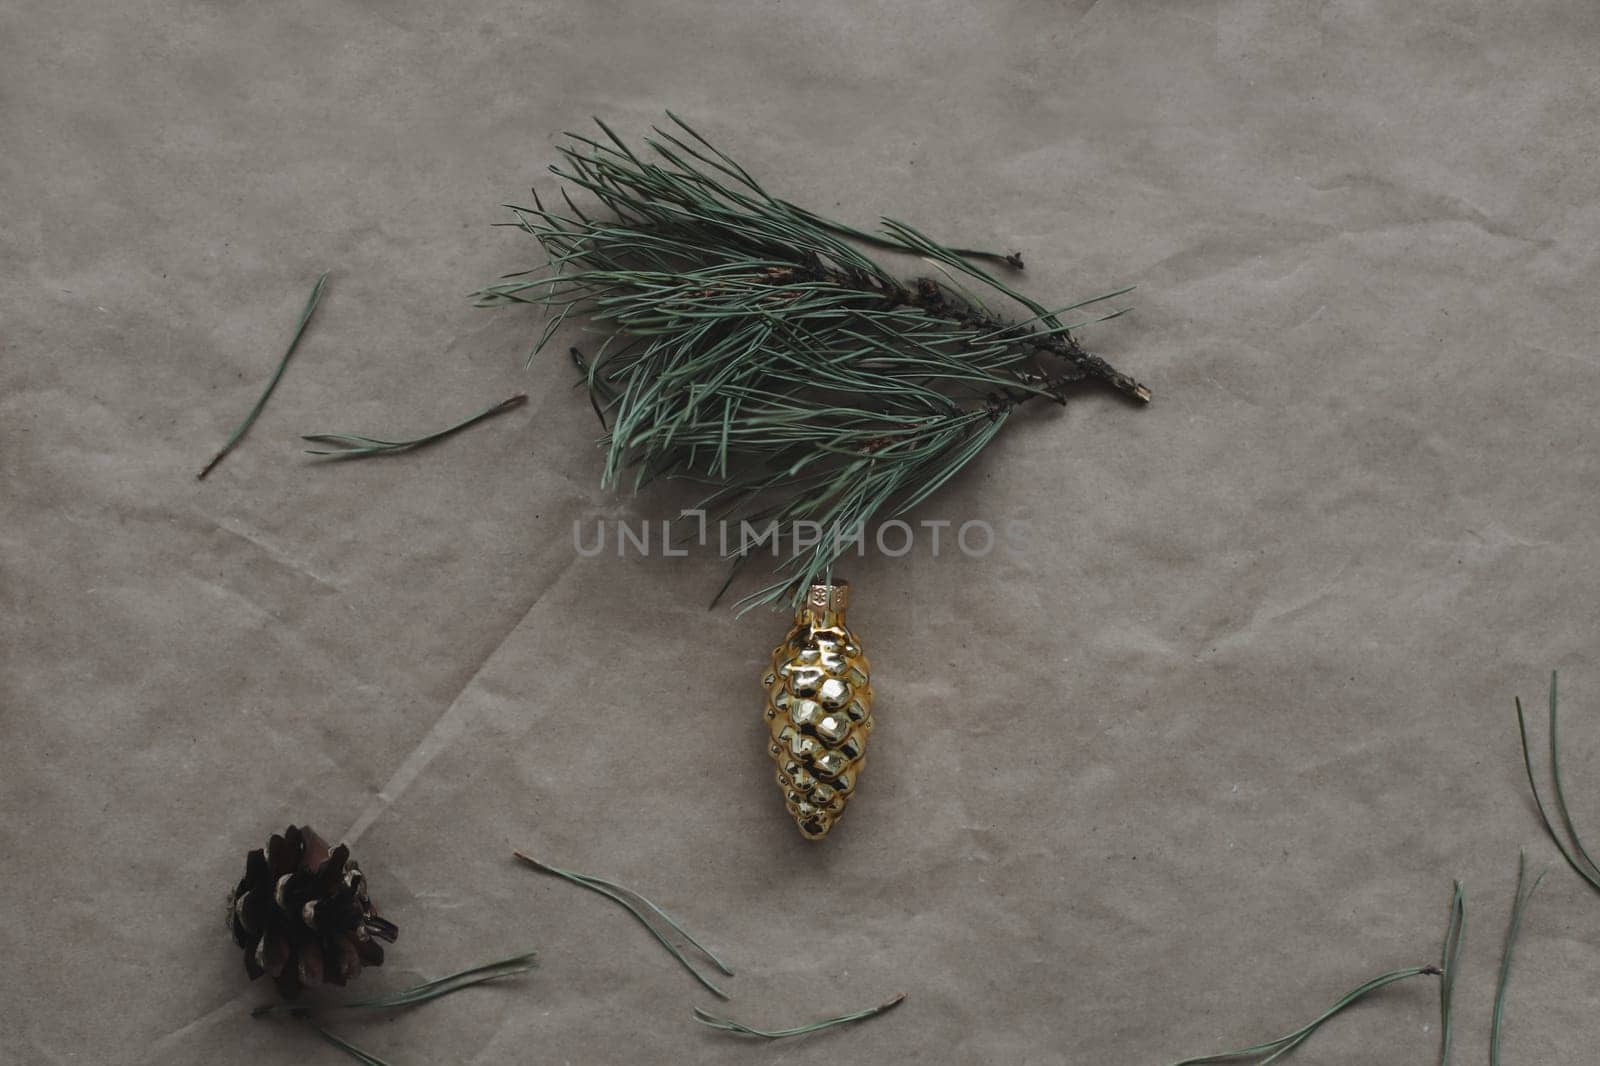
(1519, 909)
(1449, 958)
(366, 1058)
(354, 446)
(753, 346)
(442, 986)
(625, 897)
(1273, 1050)
(1580, 862)
(1450, 954)
(428, 990)
(249, 419)
(728, 1025)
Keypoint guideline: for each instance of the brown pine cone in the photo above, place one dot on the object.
(302, 915)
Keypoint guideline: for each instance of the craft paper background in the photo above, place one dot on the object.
(1206, 753)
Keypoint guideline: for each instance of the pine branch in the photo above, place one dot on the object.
(755, 346)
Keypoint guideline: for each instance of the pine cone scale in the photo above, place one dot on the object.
(302, 915)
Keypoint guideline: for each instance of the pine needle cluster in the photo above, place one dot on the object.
(756, 347)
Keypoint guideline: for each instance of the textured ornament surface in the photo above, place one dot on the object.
(818, 711)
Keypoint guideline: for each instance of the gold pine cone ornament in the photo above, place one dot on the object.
(819, 711)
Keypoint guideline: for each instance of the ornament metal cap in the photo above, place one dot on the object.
(829, 598)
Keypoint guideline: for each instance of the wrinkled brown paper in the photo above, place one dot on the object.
(1201, 753)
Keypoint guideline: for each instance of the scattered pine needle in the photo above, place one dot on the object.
(427, 990)
(355, 446)
(1449, 957)
(249, 419)
(1519, 909)
(1580, 862)
(366, 1058)
(625, 896)
(443, 986)
(728, 1025)
(1273, 1050)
